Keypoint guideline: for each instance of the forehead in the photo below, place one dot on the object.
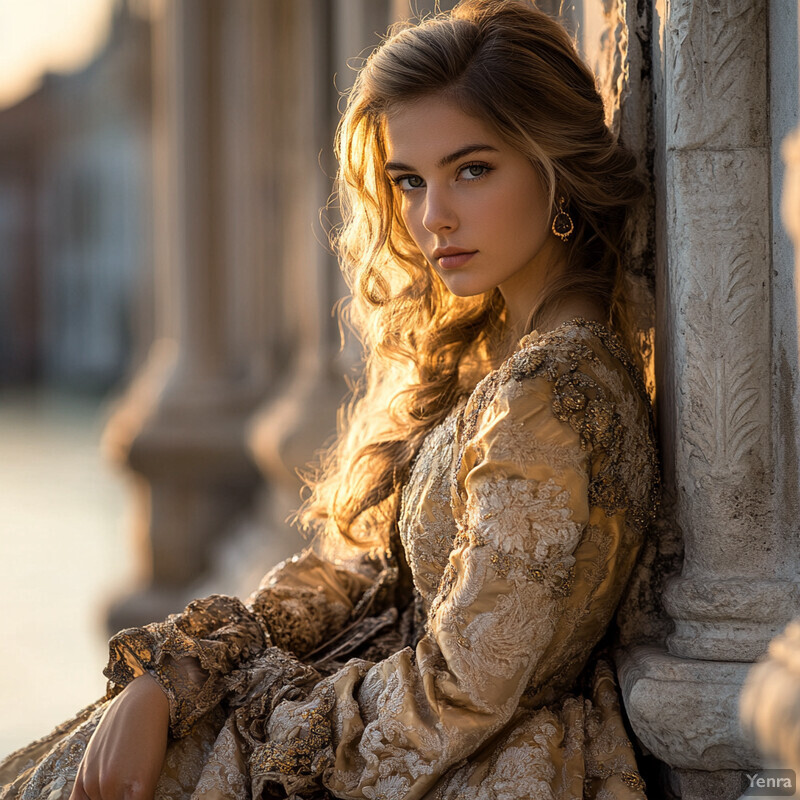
(429, 128)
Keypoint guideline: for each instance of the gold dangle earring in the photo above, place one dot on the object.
(563, 226)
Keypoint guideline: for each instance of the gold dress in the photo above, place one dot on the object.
(460, 663)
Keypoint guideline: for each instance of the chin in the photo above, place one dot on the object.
(467, 288)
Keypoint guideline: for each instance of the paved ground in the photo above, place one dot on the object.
(63, 552)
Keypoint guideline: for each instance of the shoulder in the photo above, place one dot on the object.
(580, 367)
(577, 384)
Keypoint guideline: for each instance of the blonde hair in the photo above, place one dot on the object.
(517, 69)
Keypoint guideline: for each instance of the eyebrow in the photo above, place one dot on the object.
(448, 159)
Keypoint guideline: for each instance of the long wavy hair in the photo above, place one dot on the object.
(516, 69)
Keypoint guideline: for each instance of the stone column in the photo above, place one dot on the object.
(180, 429)
(737, 588)
(738, 585)
(552, 7)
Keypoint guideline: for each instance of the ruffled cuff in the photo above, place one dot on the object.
(304, 601)
(189, 654)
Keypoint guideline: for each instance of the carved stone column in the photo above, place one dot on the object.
(735, 592)
(180, 429)
(738, 586)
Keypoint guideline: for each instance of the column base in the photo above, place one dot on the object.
(181, 441)
(686, 712)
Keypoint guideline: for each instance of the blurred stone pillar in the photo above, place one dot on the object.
(287, 429)
(312, 42)
(179, 430)
(738, 586)
(770, 702)
(552, 7)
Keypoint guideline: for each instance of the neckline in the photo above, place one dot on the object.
(606, 335)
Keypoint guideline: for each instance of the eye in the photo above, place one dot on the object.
(407, 182)
(474, 172)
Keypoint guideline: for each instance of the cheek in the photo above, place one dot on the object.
(528, 213)
(515, 216)
(520, 197)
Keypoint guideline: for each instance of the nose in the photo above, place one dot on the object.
(439, 214)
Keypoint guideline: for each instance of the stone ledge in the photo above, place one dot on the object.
(686, 712)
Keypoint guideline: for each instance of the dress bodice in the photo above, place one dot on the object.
(580, 375)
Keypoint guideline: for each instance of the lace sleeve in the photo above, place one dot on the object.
(391, 729)
(299, 604)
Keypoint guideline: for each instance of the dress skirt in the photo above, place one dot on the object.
(574, 749)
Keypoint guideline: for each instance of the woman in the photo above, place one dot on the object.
(494, 477)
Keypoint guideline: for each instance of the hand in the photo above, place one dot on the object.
(126, 752)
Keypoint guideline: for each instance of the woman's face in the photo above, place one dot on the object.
(475, 206)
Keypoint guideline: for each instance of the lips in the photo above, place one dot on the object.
(452, 257)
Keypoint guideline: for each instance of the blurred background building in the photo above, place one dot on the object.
(163, 259)
(75, 168)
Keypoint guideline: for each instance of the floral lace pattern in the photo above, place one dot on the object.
(427, 527)
(521, 521)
